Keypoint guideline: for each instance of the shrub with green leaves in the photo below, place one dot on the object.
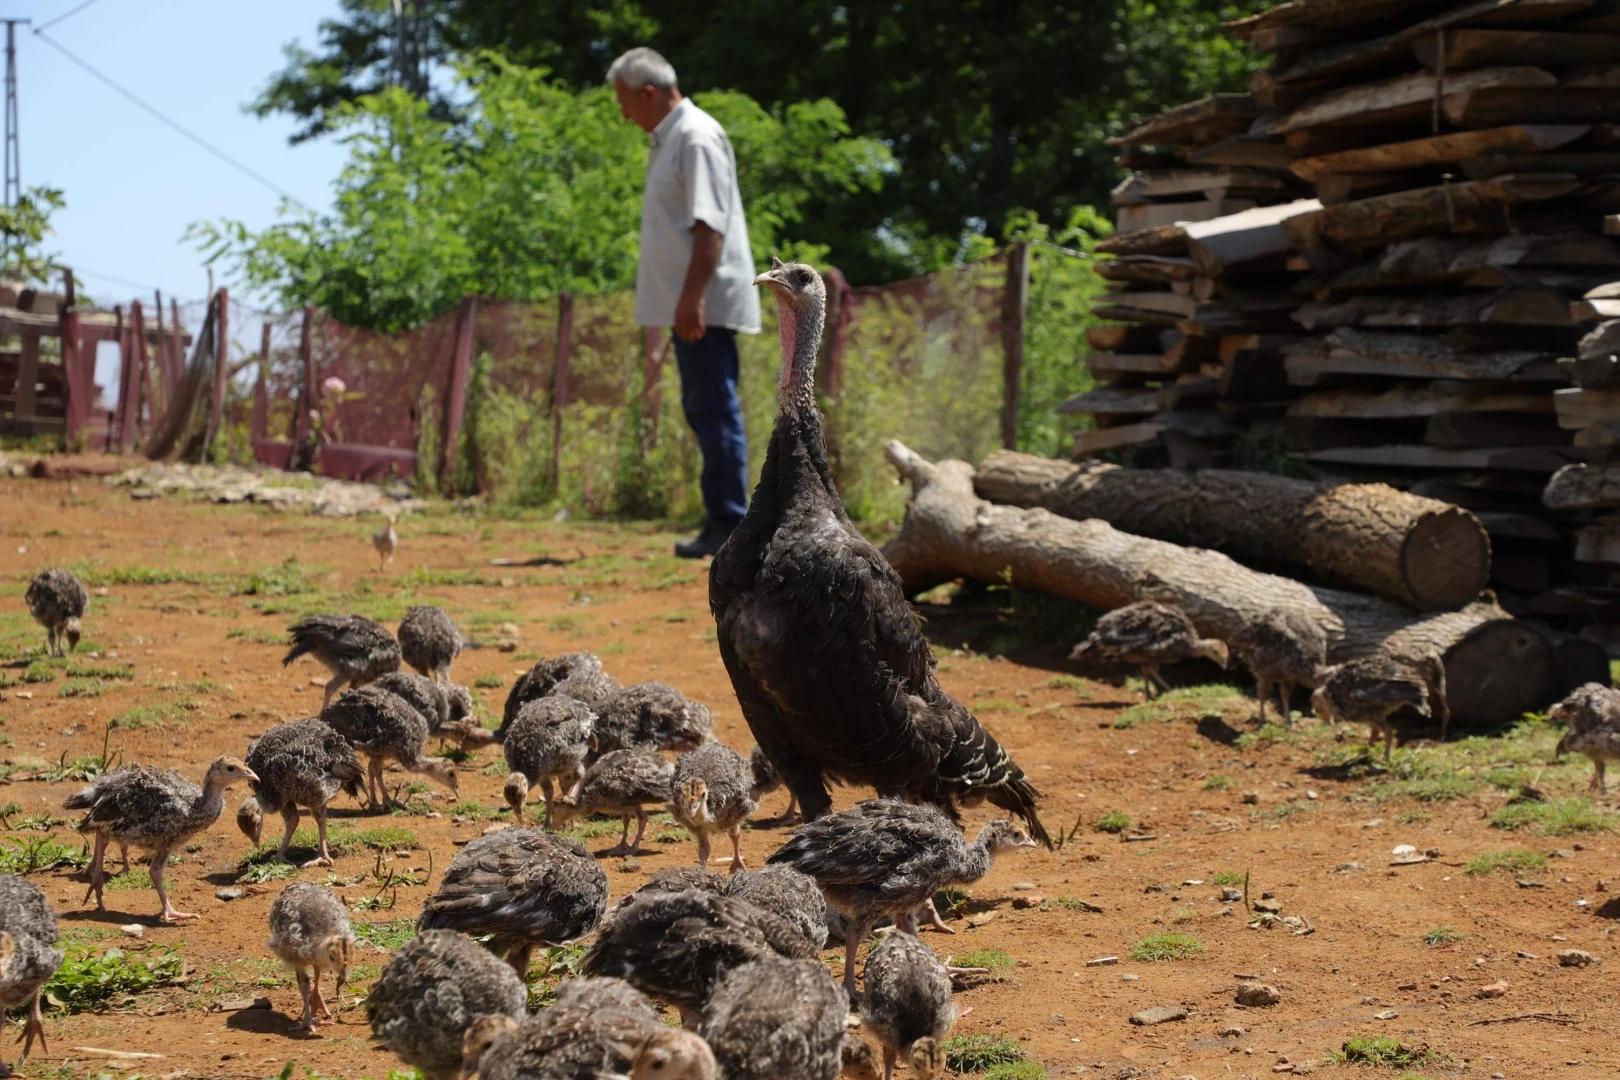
(388, 839)
(1159, 948)
(88, 979)
(19, 856)
(1384, 1051)
(388, 934)
(1220, 782)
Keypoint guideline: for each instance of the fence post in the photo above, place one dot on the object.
(78, 387)
(1014, 305)
(259, 425)
(142, 396)
(176, 359)
(155, 374)
(455, 399)
(222, 357)
(120, 422)
(303, 453)
(559, 386)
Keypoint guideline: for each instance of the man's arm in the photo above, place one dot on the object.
(706, 244)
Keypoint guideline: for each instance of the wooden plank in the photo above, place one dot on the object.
(1405, 97)
(1585, 311)
(1468, 429)
(1512, 459)
(1244, 151)
(1467, 48)
(1411, 401)
(1158, 215)
(1014, 306)
(1598, 542)
(1248, 237)
(1350, 351)
(1507, 307)
(1338, 188)
(1440, 149)
(1166, 240)
(1157, 303)
(1159, 268)
(1583, 487)
(1529, 104)
(1126, 339)
(1203, 121)
(1087, 443)
(1328, 14)
(1106, 365)
(1611, 225)
(27, 389)
(1578, 164)
(1130, 314)
(1148, 185)
(1578, 408)
(1113, 401)
(1474, 206)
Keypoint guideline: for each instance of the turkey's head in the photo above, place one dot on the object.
(72, 632)
(479, 1037)
(694, 799)
(801, 309)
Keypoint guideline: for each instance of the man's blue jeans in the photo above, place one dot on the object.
(709, 399)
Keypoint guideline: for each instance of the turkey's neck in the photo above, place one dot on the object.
(801, 339)
(979, 860)
(212, 802)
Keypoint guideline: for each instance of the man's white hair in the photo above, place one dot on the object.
(642, 67)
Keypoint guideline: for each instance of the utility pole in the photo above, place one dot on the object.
(13, 154)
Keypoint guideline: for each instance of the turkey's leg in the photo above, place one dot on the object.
(331, 688)
(624, 837)
(289, 820)
(305, 991)
(325, 856)
(736, 849)
(703, 849)
(519, 959)
(1285, 694)
(168, 914)
(888, 1062)
(1598, 779)
(123, 851)
(545, 789)
(1262, 690)
(35, 1025)
(803, 780)
(98, 874)
(854, 934)
(641, 829)
(934, 919)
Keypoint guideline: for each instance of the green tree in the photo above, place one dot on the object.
(987, 105)
(536, 190)
(23, 229)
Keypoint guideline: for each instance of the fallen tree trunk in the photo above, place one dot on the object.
(1426, 554)
(1497, 667)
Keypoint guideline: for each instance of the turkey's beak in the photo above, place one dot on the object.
(772, 279)
(252, 777)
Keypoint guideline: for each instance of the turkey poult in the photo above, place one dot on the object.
(523, 886)
(57, 600)
(302, 763)
(576, 675)
(676, 946)
(1284, 649)
(385, 728)
(597, 1028)
(1593, 715)
(432, 992)
(385, 541)
(775, 1017)
(1370, 689)
(549, 739)
(782, 890)
(354, 649)
(624, 782)
(429, 641)
(1146, 635)
(310, 933)
(154, 810)
(28, 956)
(447, 708)
(712, 793)
(767, 780)
(828, 660)
(887, 858)
(908, 1004)
(678, 879)
(652, 716)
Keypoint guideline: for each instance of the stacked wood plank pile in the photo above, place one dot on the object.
(1390, 261)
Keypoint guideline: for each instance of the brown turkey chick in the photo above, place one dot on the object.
(1370, 689)
(1146, 635)
(1593, 715)
(1284, 649)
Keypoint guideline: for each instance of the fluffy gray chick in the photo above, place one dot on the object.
(786, 892)
(385, 728)
(429, 641)
(354, 649)
(310, 933)
(548, 740)
(777, 1018)
(652, 716)
(432, 992)
(446, 707)
(766, 780)
(908, 1004)
(576, 675)
(301, 763)
(623, 782)
(57, 600)
(28, 956)
(713, 793)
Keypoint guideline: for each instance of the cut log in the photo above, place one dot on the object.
(1441, 149)
(1164, 240)
(1247, 238)
(1583, 487)
(1330, 14)
(1153, 184)
(1087, 443)
(1426, 554)
(1507, 307)
(1403, 98)
(1589, 311)
(1245, 151)
(1113, 401)
(1611, 225)
(1127, 338)
(1465, 48)
(1337, 188)
(1472, 207)
(1148, 303)
(1196, 123)
(1511, 459)
(1348, 351)
(1580, 164)
(1416, 401)
(1154, 268)
(1474, 429)
(1497, 668)
(1598, 542)
(1528, 104)
(1108, 366)
(1579, 408)
(1169, 214)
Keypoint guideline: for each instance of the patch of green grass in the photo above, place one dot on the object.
(1384, 1052)
(1228, 879)
(951, 900)
(93, 575)
(387, 839)
(474, 811)
(979, 1053)
(19, 856)
(1442, 788)
(1283, 811)
(100, 671)
(487, 682)
(1184, 703)
(392, 934)
(1413, 817)
(88, 979)
(255, 635)
(1517, 861)
(263, 872)
(1442, 935)
(304, 844)
(1557, 817)
(1016, 1070)
(1220, 782)
(1072, 903)
(139, 877)
(1266, 735)
(1065, 682)
(995, 705)
(597, 826)
(994, 959)
(157, 715)
(1162, 947)
(39, 671)
(281, 579)
(1115, 821)
(81, 688)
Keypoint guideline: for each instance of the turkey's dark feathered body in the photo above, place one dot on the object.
(828, 659)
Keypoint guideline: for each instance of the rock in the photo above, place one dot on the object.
(1129, 978)
(1433, 853)
(1233, 1032)
(1402, 849)
(1033, 900)
(134, 930)
(1251, 798)
(232, 893)
(1526, 883)
(1387, 1014)
(981, 918)
(243, 1004)
(1103, 961)
(1270, 907)
(1159, 1014)
(1257, 994)
(1228, 895)
(1023, 886)
(630, 865)
(1577, 958)
(1497, 989)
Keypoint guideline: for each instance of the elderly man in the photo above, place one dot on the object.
(696, 274)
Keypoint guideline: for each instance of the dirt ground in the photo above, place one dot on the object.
(195, 599)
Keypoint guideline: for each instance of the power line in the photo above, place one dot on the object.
(68, 14)
(173, 124)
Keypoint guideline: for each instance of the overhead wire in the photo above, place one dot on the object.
(67, 14)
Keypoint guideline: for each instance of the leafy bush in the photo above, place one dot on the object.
(487, 682)
(19, 856)
(1229, 879)
(388, 839)
(392, 934)
(1161, 947)
(285, 578)
(81, 688)
(39, 671)
(1384, 1051)
(88, 979)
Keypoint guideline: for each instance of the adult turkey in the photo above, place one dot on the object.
(827, 658)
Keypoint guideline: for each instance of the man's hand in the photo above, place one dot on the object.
(689, 324)
(706, 243)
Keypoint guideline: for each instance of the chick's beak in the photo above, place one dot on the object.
(252, 777)
(771, 279)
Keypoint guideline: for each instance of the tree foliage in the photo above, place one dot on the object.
(987, 105)
(536, 190)
(23, 229)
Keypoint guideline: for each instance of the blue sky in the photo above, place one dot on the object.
(133, 185)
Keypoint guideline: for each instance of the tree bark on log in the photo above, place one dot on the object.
(1496, 666)
(1428, 555)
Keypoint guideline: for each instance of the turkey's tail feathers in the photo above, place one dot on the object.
(978, 767)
